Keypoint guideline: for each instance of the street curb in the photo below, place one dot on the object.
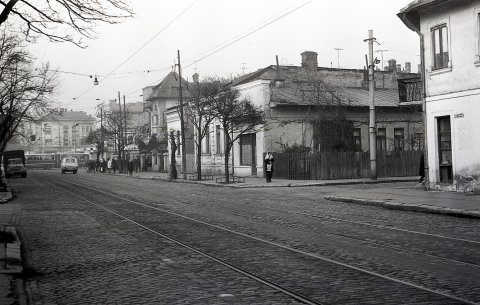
(291, 184)
(407, 206)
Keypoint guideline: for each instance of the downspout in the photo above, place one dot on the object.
(424, 109)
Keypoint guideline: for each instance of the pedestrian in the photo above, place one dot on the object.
(130, 166)
(269, 166)
(109, 165)
(114, 165)
(104, 166)
(97, 166)
(421, 170)
(136, 163)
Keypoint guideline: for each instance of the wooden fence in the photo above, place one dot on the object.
(345, 165)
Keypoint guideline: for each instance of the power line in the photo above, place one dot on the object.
(237, 38)
(143, 46)
(251, 32)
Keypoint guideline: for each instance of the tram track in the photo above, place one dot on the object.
(256, 239)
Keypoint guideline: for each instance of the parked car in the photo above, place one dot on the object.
(69, 164)
(14, 163)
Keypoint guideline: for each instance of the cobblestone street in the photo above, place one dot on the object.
(104, 239)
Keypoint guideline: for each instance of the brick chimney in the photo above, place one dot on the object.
(399, 68)
(392, 65)
(408, 67)
(309, 60)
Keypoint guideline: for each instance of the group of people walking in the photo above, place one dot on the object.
(102, 166)
(111, 165)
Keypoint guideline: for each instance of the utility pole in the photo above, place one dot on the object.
(125, 129)
(381, 52)
(120, 134)
(371, 91)
(338, 56)
(182, 123)
(101, 130)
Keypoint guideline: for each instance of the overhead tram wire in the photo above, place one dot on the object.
(143, 46)
(249, 32)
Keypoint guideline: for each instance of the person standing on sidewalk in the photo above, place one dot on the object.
(114, 165)
(109, 165)
(130, 165)
(269, 166)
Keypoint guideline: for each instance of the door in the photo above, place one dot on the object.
(248, 151)
(445, 149)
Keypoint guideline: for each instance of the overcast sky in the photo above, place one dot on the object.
(125, 58)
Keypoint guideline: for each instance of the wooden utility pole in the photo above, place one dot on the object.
(182, 122)
(125, 127)
(371, 91)
(120, 134)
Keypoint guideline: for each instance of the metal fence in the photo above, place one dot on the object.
(345, 165)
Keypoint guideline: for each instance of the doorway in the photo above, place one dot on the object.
(445, 149)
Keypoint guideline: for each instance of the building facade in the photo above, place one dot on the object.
(449, 32)
(60, 133)
(302, 104)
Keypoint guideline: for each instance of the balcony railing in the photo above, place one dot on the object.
(410, 89)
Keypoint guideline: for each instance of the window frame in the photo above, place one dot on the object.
(382, 139)
(399, 140)
(357, 139)
(436, 66)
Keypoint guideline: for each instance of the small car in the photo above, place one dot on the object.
(15, 166)
(69, 164)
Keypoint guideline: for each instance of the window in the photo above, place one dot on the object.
(48, 142)
(218, 140)
(47, 130)
(440, 47)
(357, 138)
(477, 59)
(381, 139)
(418, 141)
(398, 139)
(206, 146)
(155, 120)
(65, 135)
(247, 146)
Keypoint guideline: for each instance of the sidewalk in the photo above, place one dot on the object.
(413, 198)
(11, 285)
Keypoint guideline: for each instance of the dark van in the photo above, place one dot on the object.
(14, 163)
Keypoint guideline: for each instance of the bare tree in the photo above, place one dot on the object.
(25, 91)
(63, 20)
(237, 117)
(200, 113)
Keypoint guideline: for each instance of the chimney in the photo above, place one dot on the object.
(309, 60)
(392, 65)
(399, 68)
(195, 78)
(408, 67)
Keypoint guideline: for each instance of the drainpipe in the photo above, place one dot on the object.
(424, 109)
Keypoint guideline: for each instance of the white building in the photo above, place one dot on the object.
(450, 33)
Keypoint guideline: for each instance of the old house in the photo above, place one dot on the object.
(449, 34)
(161, 101)
(320, 109)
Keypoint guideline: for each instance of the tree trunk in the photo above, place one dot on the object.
(227, 171)
(199, 160)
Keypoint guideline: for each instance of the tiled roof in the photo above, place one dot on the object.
(168, 88)
(69, 116)
(291, 95)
